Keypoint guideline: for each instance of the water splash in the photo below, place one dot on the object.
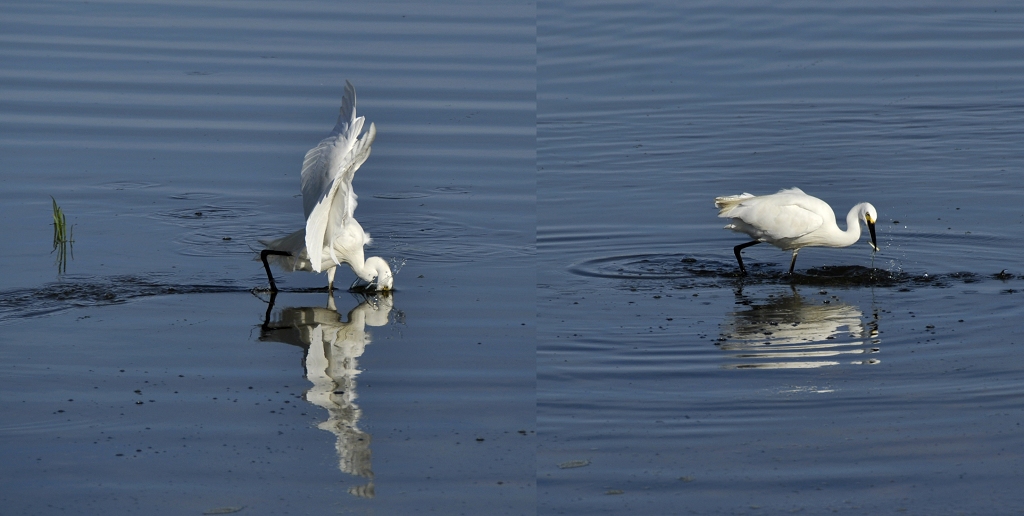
(396, 264)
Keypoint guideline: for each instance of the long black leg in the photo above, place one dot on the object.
(793, 263)
(263, 256)
(736, 250)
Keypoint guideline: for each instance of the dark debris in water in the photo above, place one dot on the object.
(224, 510)
(211, 211)
(85, 292)
(367, 289)
(398, 196)
(852, 275)
(693, 272)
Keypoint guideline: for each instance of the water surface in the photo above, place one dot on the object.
(869, 384)
(156, 376)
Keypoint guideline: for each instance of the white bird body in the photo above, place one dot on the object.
(332, 235)
(298, 259)
(791, 220)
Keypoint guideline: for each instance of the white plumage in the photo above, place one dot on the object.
(791, 220)
(332, 235)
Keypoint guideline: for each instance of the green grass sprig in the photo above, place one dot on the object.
(63, 238)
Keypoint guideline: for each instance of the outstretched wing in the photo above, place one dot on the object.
(317, 173)
(327, 195)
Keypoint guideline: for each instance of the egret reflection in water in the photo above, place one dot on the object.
(332, 347)
(789, 332)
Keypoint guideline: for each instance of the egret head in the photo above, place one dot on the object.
(382, 276)
(868, 213)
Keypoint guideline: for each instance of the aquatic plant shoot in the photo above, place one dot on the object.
(63, 240)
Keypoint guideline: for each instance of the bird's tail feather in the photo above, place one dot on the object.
(728, 202)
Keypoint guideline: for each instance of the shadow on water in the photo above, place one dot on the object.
(331, 347)
(789, 332)
(684, 271)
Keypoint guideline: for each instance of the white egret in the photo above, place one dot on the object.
(791, 220)
(332, 235)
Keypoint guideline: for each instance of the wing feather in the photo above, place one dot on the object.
(328, 199)
(319, 167)
(317, 232)
(793, 221)
(775, 217)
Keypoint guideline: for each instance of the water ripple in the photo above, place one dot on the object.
(431, 238)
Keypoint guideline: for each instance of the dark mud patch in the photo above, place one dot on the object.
(87, 292)
(82, 292)
(688, 271)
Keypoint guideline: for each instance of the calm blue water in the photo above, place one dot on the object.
(568, 334)
(149, 379)
(669, 385)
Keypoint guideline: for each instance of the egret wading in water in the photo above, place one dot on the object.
(332, 235)
(792, 220)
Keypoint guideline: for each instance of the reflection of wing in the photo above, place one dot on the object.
(332, 349)
(794, 334)
(327, 171)
(811, 324)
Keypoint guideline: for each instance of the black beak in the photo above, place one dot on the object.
(871, 229)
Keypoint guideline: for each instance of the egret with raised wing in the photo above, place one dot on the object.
(332, 235)
(792, 220)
